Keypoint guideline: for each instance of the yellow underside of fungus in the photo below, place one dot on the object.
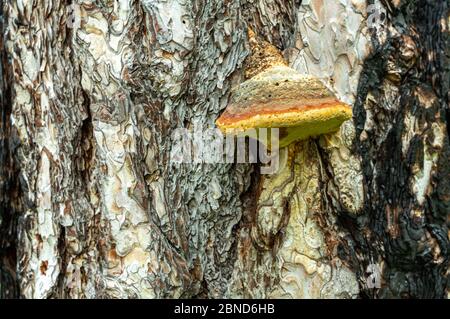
(280, 97)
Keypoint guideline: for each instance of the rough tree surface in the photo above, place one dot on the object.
(92, 207)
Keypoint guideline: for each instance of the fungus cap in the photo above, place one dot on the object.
(280, 97)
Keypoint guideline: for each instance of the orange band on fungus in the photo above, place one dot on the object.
(280, 97)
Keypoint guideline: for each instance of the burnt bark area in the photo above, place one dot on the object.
(415, 249)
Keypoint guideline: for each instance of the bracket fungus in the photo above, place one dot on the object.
(276, 96)
(299, 105)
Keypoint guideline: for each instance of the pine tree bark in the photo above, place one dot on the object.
(91, 205)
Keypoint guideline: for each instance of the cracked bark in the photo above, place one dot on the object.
(90, 205)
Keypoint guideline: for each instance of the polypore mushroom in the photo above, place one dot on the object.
(278, 96)
(301, 107)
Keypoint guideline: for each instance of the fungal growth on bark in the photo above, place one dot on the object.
(280, 97)
(302, 108)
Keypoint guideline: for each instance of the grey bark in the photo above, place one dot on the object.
(92, 207)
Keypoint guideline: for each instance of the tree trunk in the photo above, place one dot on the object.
(91, 205)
